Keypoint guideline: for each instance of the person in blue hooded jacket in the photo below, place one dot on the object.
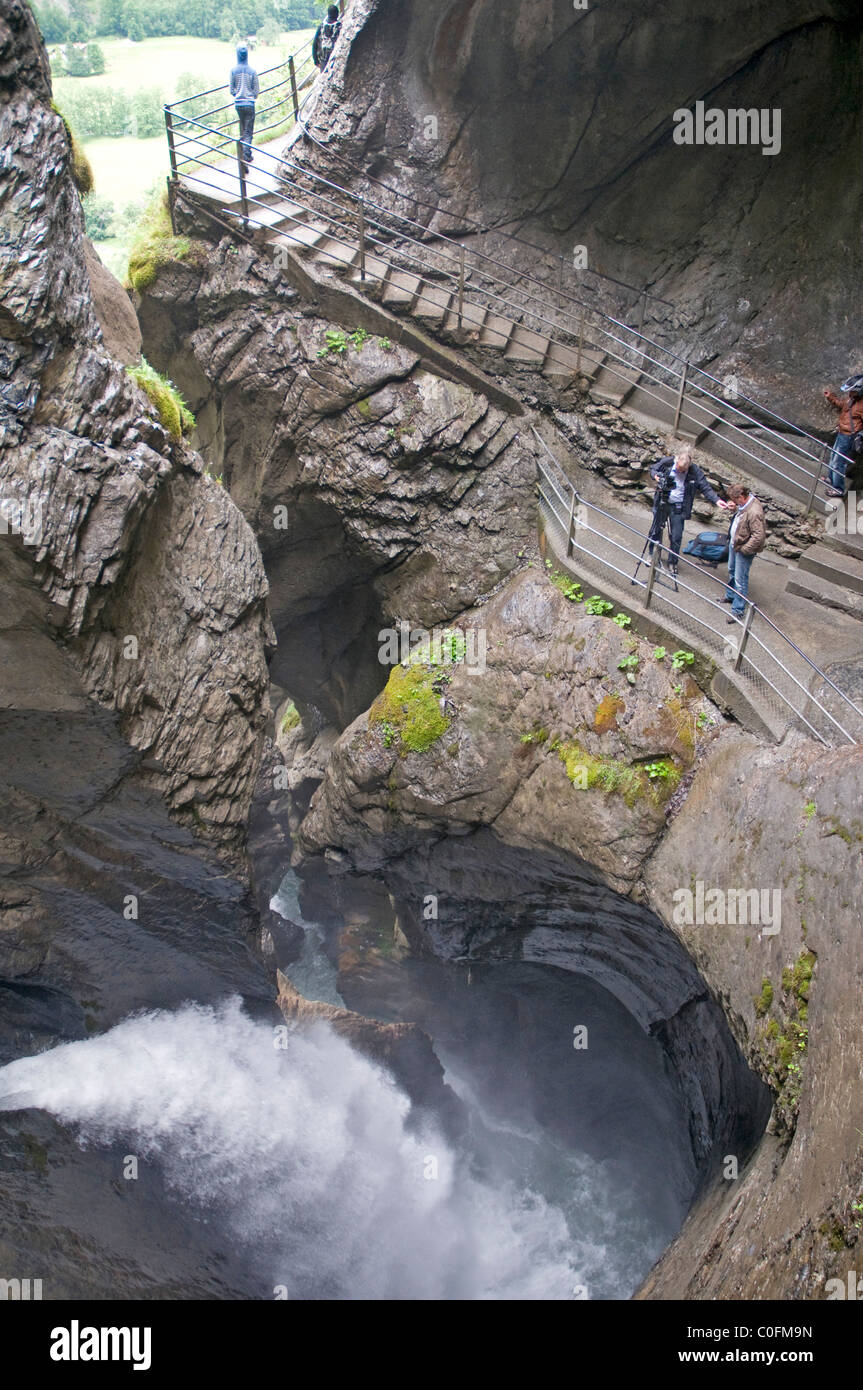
(244, 89)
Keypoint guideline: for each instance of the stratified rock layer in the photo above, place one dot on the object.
(154, 580)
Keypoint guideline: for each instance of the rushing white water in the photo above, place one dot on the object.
(304, 1156)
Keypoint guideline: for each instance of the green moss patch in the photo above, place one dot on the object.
(408, 709)
(165, 398)
(156, 246)
(290, 718)
(81, 168)
(783, 1038)
(632, 781)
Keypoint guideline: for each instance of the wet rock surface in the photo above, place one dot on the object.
(572, 137)
(376, 489)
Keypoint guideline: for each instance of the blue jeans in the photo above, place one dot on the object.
(738, 580)
(839, 460)
(246, 117)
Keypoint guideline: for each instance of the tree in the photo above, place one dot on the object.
(147, 113)
(111, 17)
(95, 59)
(98, 216)
(53, 23)
(228, 31)
(75, 61)
(269, 33)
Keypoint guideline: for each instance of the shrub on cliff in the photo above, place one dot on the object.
(169, 405)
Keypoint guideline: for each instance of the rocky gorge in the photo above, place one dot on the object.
(193, 707)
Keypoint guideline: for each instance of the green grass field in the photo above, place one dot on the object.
(160, 62)
(127, 169)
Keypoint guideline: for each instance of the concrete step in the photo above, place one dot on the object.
(526, 346)
(745, 451)
(299, 238)
(563, 360)
(496, 331)
(400, 291)
(614, 382)
(849, 544)
(337, 255)
(833, 565)
(376, 274)
(829, 595)
(472, 320)
(432, 304)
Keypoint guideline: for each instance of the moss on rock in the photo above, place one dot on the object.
(409, 706)
(165, 398)
(156, 246)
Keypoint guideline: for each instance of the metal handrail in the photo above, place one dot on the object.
(555, 292)
(571, 498)
(552, 327)
(677, 367)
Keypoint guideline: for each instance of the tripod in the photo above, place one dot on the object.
(658, 524)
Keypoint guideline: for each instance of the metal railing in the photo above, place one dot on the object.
(579, 338)
(779, 675)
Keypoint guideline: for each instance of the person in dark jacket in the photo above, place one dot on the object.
(245, 89)
(325, 39)
(678, 479)
(850, 407)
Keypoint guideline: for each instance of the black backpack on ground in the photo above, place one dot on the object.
(709, 546)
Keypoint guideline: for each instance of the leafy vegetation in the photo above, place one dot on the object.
(681, 659)
(597, 607)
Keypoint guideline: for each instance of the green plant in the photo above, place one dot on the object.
(659, 771)
(386, 344)
(446, 648)
(570, 588)
(809, 810)
(703, 720)
(682, 659)
(765, 998)
(165, 398)
(535, 736)
(622, 620)
(336, 341)
(359, 337)
(629, 664)
(597, 606)
(659, 653)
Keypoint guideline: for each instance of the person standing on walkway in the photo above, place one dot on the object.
(850, 407)
(245, 89)
(677, 480)
(748, 537)
(325, 39)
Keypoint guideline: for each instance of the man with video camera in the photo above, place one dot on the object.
(677, 480)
